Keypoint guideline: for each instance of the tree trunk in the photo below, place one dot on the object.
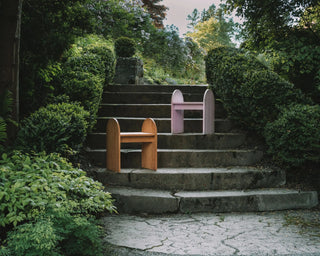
(10, 22)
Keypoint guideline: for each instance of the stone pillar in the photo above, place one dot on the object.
(129, 71)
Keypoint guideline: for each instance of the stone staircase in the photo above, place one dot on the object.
(197, 172)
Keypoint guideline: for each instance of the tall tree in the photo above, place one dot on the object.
(287, 32)
(212, 29)
(10, 17)
(156, 11)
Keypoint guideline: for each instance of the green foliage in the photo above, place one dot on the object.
(34, 239)
(51, 205)
(84, 88)
(48, 28)
(288, 33)
(213, 29)
(55, 234)
(168, 50)
(87, 66)
(124, 47)
(297, 58)
(3, 133)
(54, 128)
(251, 93)
(294, 138)
(92, 54)
(32, 185)
(117, 18)
(6, 103)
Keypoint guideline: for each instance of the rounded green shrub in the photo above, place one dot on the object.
(92, 54)
(251, 93)
(54, 128)
(125, 47)
(294, 138)
(85, 88)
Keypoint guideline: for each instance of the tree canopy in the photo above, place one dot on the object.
(211, 28)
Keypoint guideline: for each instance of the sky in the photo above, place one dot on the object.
(180, 9)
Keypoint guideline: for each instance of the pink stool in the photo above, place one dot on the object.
(178, 105)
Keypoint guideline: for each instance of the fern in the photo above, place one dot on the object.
(6, 103)
(3, 126)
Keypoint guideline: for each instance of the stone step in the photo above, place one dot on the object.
(145, 97)
(157, 88)
(131, 200)
(192, 179)
(180, 141)
(151, 110)
(175, 158)
(191, 125)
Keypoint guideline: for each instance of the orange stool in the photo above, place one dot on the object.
(147, 136)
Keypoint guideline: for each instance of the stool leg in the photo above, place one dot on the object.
(208, 112)
(149, 154)
(177, 116)
(113, 146)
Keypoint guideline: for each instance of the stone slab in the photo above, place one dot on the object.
(246, 234)
(176, 179)
(246, 201)
(130, 200)
(187, 158)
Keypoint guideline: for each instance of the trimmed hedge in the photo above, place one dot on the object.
(85, 88)
(251, 93)
(54, 128)
(125, 47)
(88, 65)
(92, 54)
(294, 138)
(261, 100)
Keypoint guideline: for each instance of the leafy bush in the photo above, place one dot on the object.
(85, 88)
(294, 138)
(54, 128)
(125, 47)
(51, 205)
(87, 66)
(251, 93)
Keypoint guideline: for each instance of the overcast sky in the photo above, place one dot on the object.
(179, 10)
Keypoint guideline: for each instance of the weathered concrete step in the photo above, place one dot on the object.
(151, 110)
(157, 88)
(131, 124)
(180, 141)
(196, 179)
(130, 200)
(146, 97)
(176, 158)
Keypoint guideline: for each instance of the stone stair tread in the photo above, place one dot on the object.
(198, 194)
(188, 170)
(131, 200)
(179, 150)
(187, 179)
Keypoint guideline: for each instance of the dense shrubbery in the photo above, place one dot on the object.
(49, 207)
(87, 66)
(124, 47)
(92, 54)
(54, 128)
(294, 138)
(84, 88)
(252, 94)
(255, 96)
